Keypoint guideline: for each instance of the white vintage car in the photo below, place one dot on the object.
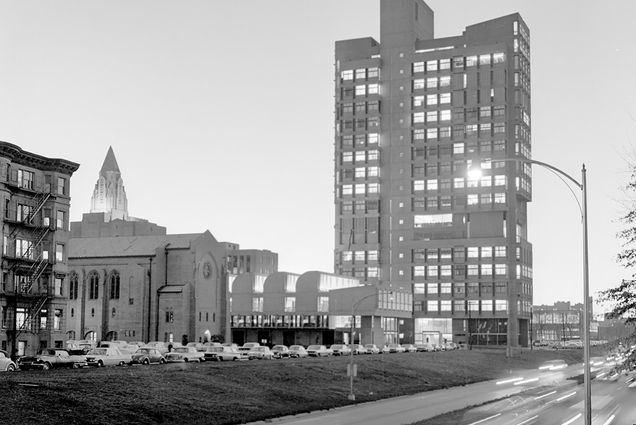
(107, 356)
(185, 354)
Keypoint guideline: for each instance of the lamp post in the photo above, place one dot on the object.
(354, 306)
(586, 290)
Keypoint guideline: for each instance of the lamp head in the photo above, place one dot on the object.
(474, 172)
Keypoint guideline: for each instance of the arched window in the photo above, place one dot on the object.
(114, 285)
(93, 284)
(73, 286)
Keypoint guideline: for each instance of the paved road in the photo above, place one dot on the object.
(410, 409)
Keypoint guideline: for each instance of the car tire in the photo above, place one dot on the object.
(219, 358)
(185, 360)
(46, 366)
(146, 362)
(162, 361)
(100, 363)
(11, 368)
(122, 363)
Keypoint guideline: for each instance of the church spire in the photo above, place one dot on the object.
(110, 163)
(109, 195)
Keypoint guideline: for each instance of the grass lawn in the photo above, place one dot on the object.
(236, 392)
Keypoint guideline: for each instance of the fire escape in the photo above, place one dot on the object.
(25, 261)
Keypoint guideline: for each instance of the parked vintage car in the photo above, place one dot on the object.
(393, 348)
(107, 356)
(318, 351)
(6, 364)
(425, 347)
(372, 349)
(340, 350)
(147, 355)
(409, 348)
(197, 345)
(184, 354)
(52, 358)
(261, 353)
(211, 352)
(230, 344)
(280, 352)
(297, 352)
(358, 349)
(229, 354)
(250, 345)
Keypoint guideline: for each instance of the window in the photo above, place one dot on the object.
(169, 316)
(484, 59)
(347, 75)
(458, 148)
(361, 74)
(431, 133)
(501, 305)
(61, 186)
(25, 179)
(418, 67)
(73, 286)
(60, 219)
(373, 89)
(458, 182)
(431, 65)
(444, 64)
(418, 84)
(432, 305)
(431, 116)
(471, 61)
(57, 287)
(361, 90)
(347, 189)
(444, 98)
(323, 305)
(23, 248)
(290, 304)
(59, 252)
(347, 156)
(418, 117)
(114, 285)
(431, 99)
(257, 304)
(500, 251)
(445, 115)
(372, 138)
(445, 288)
(57, 319)
(419, 271)
(498, 58)
(431, 184)
(501, 269)
(23, 213)
(373, 73)
(445, 305)
(93, 285)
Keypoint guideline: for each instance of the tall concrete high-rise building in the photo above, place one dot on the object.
(109, 195)
(415, 114)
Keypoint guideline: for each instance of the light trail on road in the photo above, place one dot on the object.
(486, 419)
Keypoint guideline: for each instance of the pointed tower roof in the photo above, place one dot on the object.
(110, 163)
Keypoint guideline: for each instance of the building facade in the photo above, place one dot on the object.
(109, 196)
(414, 114)
(314, 308)
(35, 194)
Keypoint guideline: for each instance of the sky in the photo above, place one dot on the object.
(220, 113)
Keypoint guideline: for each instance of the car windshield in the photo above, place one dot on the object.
(337, 346)
(215, 349)
(296, 347)
(279, 347)
(98, 352)
(261, 348)
(314, 347)
(143, 351)
(369, 346)
(47, 352)
(181, 350)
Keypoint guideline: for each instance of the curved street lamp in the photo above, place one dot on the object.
(355, 305)
(475, 173)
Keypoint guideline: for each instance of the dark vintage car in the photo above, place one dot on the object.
(52, 358)
(147, 355)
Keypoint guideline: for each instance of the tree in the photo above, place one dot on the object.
(623, 297)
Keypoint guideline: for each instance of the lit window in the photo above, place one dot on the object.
(501, 269)
(486, 251)
(419, 271)
(432, 305)
(372, 171)
(500, 251)
(323, 304)
(445, 305)
(418, 67)
(431, 116)
(418, 134)
(445, 287)
(361, 90)
(59, 252)
(360, 172)
(431, 133)
(484, 59)
(431, 184)
(498, 58)
(418, 84)
(486, 181)
(422, 220)
(458, 182)
(360, 156)
(373, 73)
(347, 75)
(347, 256)
(500, 198)
(472, 199)
(445, 115)
(418, 117)
(347, 156)
(431, 65)
(360, 189)
(444, 98)
(444, 81)
(361, 74)
(61, 186)
(431, 83)
(372, 138)
(431, 99)
(374, 89)
(471, 61)
(444, 64)
(290, 304)
(373, 188)
(445, 270)
(486, 269)
(373, 155)
(347, 189)
(501, 305)
(419, 288)
(458, 148)
(418, 185)
(471, 129)
(418, 101)
(486, 305)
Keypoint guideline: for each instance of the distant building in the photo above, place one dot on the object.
(561, 321)
(130, 280)
(35, 193)
(413, 113)
(109, 196)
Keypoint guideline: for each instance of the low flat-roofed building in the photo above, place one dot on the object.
(314, 308)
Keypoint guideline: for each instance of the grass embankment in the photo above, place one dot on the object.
(227, 393)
